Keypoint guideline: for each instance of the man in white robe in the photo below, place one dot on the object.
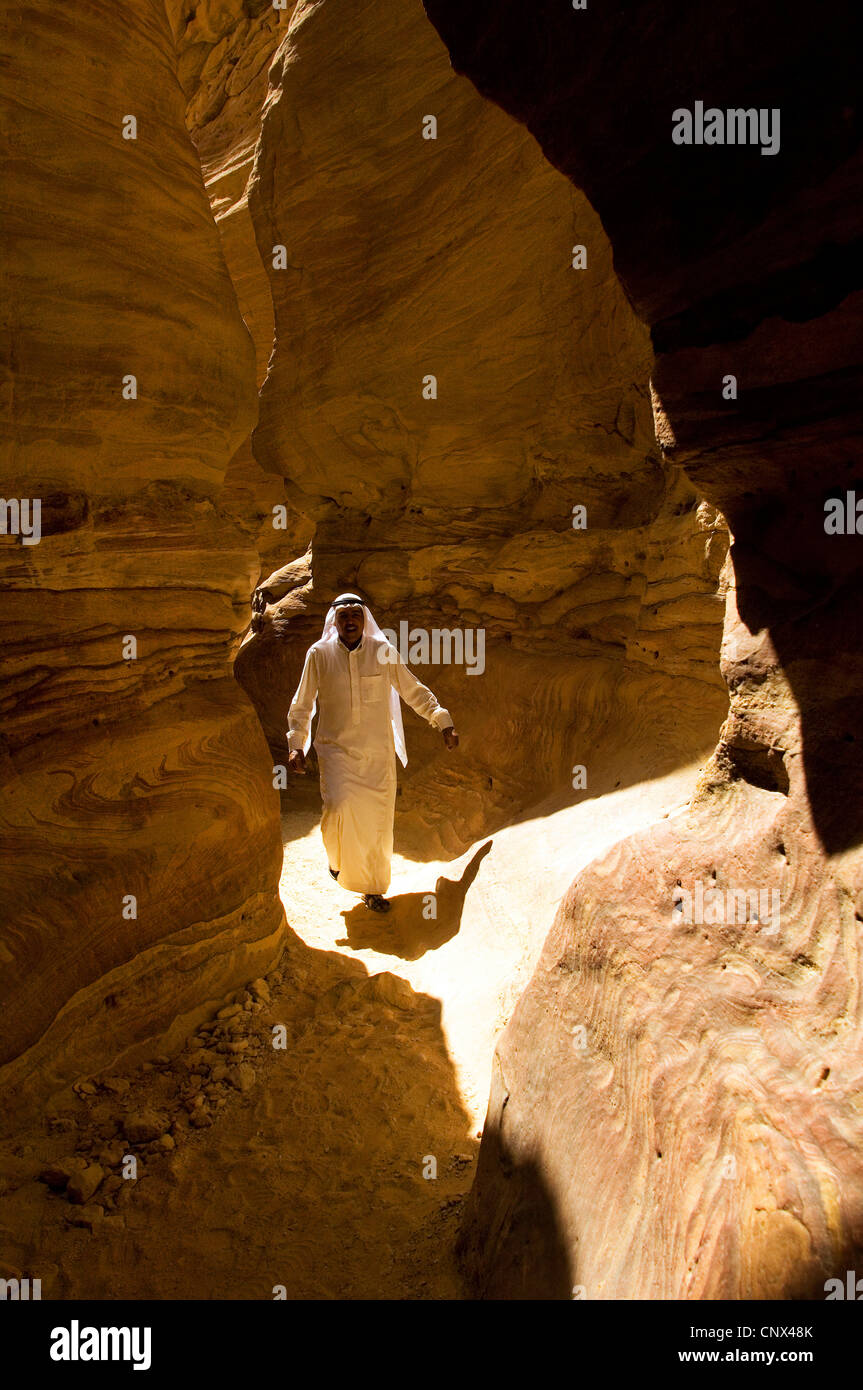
(357, 678)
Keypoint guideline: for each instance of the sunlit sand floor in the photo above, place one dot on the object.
(494, 906)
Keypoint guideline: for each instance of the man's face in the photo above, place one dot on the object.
(350, 621)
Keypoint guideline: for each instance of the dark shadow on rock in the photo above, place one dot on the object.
(811, 1283)
(407, 930)
(724, 269)
(510, 1245)
(816, 634)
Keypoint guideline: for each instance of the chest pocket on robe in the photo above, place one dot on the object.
(372, 689)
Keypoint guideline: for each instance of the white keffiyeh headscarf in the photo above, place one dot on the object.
(370, 629)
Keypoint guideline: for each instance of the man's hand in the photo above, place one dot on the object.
(450, 738)
(297, 761)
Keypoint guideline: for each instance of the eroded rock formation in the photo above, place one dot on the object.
(705, 1139)
(224, 51)
(449, 504)
(133, 766)
(443, 382)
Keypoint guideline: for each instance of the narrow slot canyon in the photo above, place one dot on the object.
(421, 302)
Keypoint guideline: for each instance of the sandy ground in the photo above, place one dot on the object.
(335, 1166)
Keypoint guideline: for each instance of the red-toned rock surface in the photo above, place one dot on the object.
(713, 1043)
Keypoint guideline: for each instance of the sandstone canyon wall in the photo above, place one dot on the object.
(452, 257)
(676, 1108)
(224, 51)
(128, 773)
(673, 1110)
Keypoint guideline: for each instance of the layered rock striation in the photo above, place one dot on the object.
(703, 1135)
(459, 396)
(139, 819)
(224, 51)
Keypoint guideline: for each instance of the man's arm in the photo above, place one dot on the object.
(422, 701)
(301, 711)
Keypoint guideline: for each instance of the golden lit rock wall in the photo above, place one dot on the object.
(452, 257)
(149, 776)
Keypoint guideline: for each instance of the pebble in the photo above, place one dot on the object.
(117, 1085)
(142, 1126)
(230, 1011)
(61, 1124)
(57, 1175)
(82, 1185)
(111, 1155)
(392, 989)
(89, 1217)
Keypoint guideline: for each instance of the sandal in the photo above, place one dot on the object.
(376, 902)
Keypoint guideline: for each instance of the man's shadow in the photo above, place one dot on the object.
(416, 922)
